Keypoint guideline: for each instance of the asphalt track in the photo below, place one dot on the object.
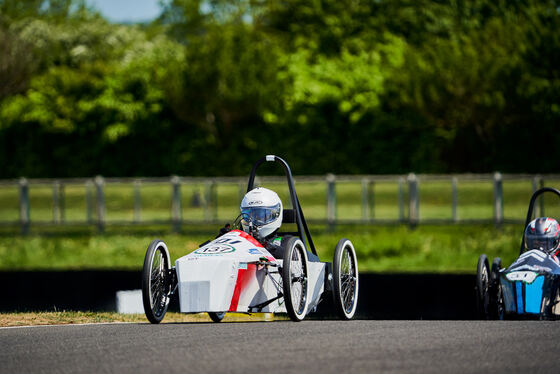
(286, 347)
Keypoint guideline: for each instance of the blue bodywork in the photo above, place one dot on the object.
(530, 285)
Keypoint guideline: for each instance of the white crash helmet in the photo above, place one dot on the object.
(261, 212)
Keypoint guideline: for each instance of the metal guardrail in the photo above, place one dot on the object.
(408, 198)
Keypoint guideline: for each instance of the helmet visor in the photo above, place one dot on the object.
(543, 243)
(261, 215)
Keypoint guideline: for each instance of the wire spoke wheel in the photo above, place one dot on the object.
(295, 279)
(345, 279)
(156, 281)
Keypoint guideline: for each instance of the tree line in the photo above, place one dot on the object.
(342, 86)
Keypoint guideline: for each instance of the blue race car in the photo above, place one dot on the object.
(530, 287)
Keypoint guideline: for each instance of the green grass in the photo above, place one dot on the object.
(379, 248)
(78, 317)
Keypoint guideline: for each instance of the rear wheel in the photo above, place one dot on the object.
(345, 279)
(156, 281)
(482, 283)
(295, 279)
(217, 316)
(497, 306)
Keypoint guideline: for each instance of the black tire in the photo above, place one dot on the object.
(482, 284)
(156, 281)
(295, 279)
(217, 316)
(497, 306)
(345, 279)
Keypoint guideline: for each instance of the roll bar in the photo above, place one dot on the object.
(530, 211)
(300, 219)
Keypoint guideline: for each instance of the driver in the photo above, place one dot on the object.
(543, 233)
(261, 217)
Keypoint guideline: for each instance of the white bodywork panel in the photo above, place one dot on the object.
(316, 278)
(222, 276)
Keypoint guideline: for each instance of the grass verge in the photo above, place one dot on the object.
(379, 248)
(71, 317)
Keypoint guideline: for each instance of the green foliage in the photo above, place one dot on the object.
(110, 72)
(358, 87)
(16, 65)
(52, 9)
(354, 79)
(99, 84)
(468, 85)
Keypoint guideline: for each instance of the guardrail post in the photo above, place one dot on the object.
(365, 200)
(58, 202)
(89, 201)
(99, 184)
(413, 200)
(137, 201)
(454, 200)
(176, 211)
(371, 194)
(56, 207)
(400, 197)
(498, 200)
(24, 217)
(331, 201)
(62, 200)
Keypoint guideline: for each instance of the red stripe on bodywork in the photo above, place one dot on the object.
(244, 276)
(252, 240)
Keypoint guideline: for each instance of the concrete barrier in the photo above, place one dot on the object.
(413, 296)
(382, 296)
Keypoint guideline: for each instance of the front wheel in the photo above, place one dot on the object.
(345, 279)
(295, 279)
(156, 281)
(482, 285)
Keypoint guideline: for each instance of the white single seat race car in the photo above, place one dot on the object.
(236, 273)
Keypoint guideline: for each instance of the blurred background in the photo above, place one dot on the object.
(347, 87)
(138, 91)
